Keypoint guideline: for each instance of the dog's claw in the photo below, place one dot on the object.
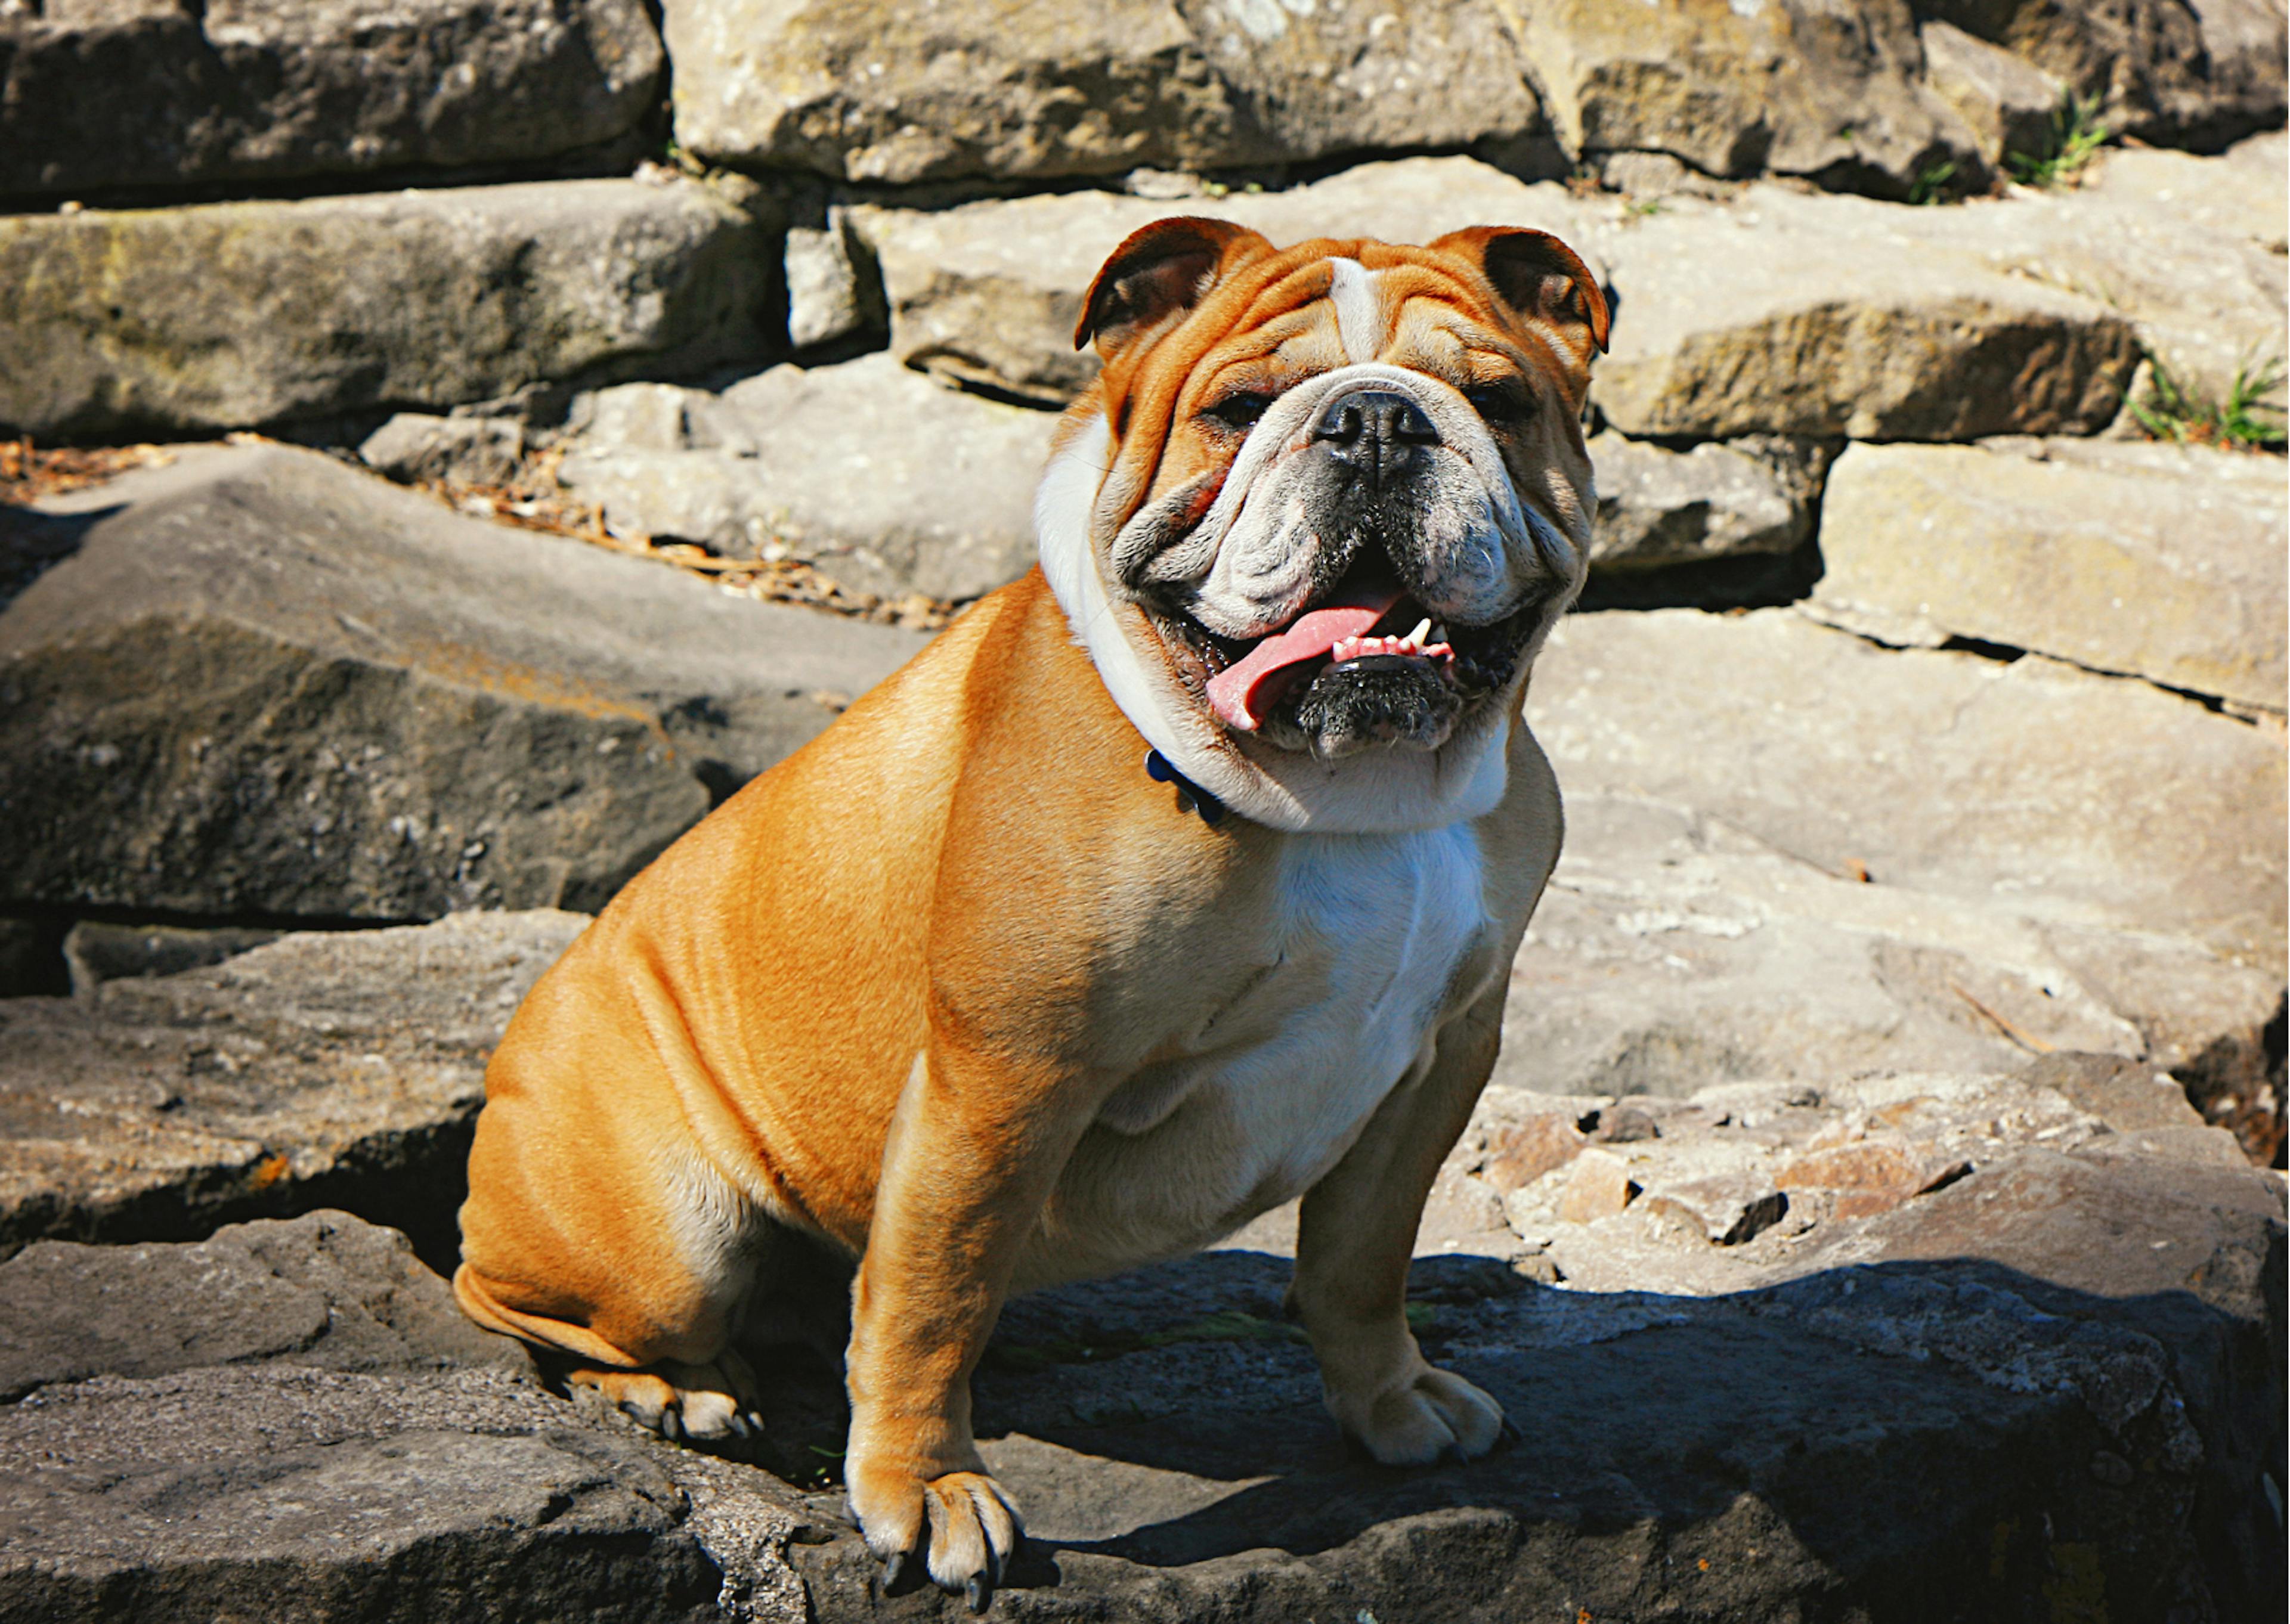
(979, 1592)
(894, 1565)
(1510, 1433)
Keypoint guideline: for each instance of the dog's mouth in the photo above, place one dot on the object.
(1367, 633)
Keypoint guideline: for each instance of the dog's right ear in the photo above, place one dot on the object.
(1159, 272)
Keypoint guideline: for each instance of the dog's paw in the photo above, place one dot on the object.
(1436, 1413)
(963, 1527)
(713, 1401)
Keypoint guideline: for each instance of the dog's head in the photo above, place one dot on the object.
(1322, 505)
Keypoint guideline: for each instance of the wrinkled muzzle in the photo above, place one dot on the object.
(1366, 571)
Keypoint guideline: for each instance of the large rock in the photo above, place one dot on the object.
(1980, 1332)
(2187, 248)
(292, 1421)
(2007, 100)
(887, 94)
(2241, 197)
(151, 93)
(1718, 499)
(2193, 73)
(236, 315)
(2085, 802)
(265, 682)
(990, 292)
(2041, 874)
(1775, 312)
(1671, 951)
(339, 1069)
(888, 481)
(1784, 313)
(2163, 561)
(1796, 87)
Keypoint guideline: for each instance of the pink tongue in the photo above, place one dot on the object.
(1235, 692)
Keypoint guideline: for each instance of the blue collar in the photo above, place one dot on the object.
(1190, 797)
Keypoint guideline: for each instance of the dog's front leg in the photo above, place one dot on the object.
(1355, 1235)
(972, 1152)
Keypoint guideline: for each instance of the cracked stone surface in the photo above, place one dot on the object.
(258, 681)
(2060, 1362)
(1792, 853)
(341, 1068)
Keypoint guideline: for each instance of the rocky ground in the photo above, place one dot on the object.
(558, 409)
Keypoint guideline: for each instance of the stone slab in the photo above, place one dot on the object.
(287, 1421)
(1659, 508)
(1773, 312)
(292, 1421)
(1671, 952)
(889, 481)
(326, 1068)
(884, 94)
(100, 94)
(990, 292)
(264, 682)
(2164, 562)
(1831, 92)
(2078, 801)
(239, 314)
(1780, 312)
(2198, 76)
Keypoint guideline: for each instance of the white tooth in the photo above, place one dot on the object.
(1421, 630)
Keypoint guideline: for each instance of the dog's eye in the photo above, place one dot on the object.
(1239, 411)
(1509, 401)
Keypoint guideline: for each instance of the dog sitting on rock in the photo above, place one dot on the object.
(1178, 879)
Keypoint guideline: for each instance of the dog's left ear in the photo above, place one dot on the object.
(1539, 278)
(1161, 270)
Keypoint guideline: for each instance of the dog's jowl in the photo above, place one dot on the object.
(1176, 880)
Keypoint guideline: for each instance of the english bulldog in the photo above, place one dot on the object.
(1174, 881)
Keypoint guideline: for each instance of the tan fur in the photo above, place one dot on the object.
(885, 993)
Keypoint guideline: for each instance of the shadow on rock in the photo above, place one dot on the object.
(1903, 1440)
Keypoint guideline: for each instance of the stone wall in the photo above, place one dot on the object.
(560, 409)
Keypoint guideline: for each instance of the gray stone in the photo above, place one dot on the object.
(990, 292)
(341, 1069)
(2195, 75)
(97, 94)
(2083, 800)
(1783, 313)
(2240, 195)
(1718, 500)
(287, 1423)
(1775, 312)
(324, 1290)
(833, 288)
(1789, 87)
(880, 93)
(2179, 246)
(1309, 81)
(265, 682)
(2005, 99)
(97, 951)
(292, 1421)
(888, 481)
(237, 314)
(1793, 854)
(2161, 561)
(413, 447)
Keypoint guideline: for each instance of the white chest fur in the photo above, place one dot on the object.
(1370, 949)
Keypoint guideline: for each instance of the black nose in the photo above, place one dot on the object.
(1377, 431)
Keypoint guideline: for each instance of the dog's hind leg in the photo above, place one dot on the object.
(598, 1226)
